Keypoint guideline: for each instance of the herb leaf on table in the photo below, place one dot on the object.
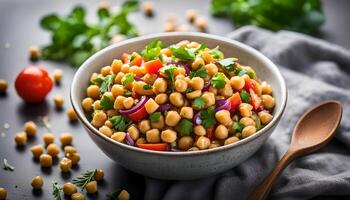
(84, 179)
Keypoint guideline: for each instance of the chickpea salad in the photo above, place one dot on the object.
(182, 97)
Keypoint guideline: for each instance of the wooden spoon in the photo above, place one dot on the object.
(313, 130)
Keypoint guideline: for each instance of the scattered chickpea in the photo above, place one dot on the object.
(203, 142)
(48, 138)
(30, 128)
(53, 150)
(201, 24)
(34, 53)
(66, 139)
(74, 157)
(57, 75)
(77, 196)
(148, 8)
(153, 136)
(171, 18)
(3, 86)
(91, 187)
(191, 15)
(185, 143)
(124, 195)
(69, 149)
(3, 193)
(72, 115)
(21, 139)
(87, 104)
(37, 183)
(99, 175)
(59, 101)
(183, 28)
(37, 150)
(65, 164)
(45, 160)
(69, 189)
(169, 27)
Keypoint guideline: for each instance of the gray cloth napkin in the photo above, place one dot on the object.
(314, 70)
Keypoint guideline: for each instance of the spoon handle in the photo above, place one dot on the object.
(263, 189)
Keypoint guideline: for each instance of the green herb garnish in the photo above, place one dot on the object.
(106, 103)
(127, 78)
(169, 70)
(8, 166)
(228, 64)
(183, 53)
(251, 73)
(200, 48)
(218, 80)
(56, 190)
(245, 97)
(188, 90)
(238, 126)
(106, 83)
(216, 53)
(154, 117)
(127, 93)
(200, 72)
(198, 103)
(208, 117)
(84, 179)
(185, 127)
(152, 50)
(147, 87)
(120, 122)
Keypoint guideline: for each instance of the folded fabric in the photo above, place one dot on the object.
(314, 70)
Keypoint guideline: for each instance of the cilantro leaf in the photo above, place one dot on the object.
(152, 50)
(183, 53)
(128, 78)
(106, 103)
(169, 70)
(228, 64)
(198, 103)
(106, 83)
(216, 53)
(120, 123)
(251, 73)
(200, 48)
(208, 117)
(245, 97)
(238, 126)
(154, 117)
(218, 80)
(185, 127)
(201, 72)
(147, 87)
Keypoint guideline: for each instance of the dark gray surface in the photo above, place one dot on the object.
(19, 28)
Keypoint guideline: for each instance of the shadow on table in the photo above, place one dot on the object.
(32, 111)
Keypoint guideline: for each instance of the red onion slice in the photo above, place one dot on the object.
(138, 79)
(163, 108)
(142, 102)
(197, 120)
(220, 101)
(182, 64)
(129, 140)
(224, 106)
(206, 87)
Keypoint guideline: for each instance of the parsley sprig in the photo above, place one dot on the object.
(208, 117)
(218, 80)
(198, 103)
(120, 122)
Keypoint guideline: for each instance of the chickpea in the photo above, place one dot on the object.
(203, 142)
(180, 85)
(168, 136)
(128, 102)
(197, 63)
(69, 189)
(74, 157)
(266, 88)
(30, 128)
(221, 132)
(105, 70)
(87, 104)
(3, 193)
(248, 131)
(45, 160)
(185, 143)
(191, 15)
(211, 68)
(48, 138)
(160, 85)
(133, 132)
(268, 101)
(77, 196)
(193, 44)
(91, 187)
(99, 119)
(199, 130)
(93, 77)
(224, 117)
(93, 92)
(66, 138)
(207, 57)
(59, 101)
(106, 130)
(53, 150)
(245, 109)
(108, 124)
(161, 98)
(153, 136)
(118, 77)
(148, 8)
(247, 121)
(119, 102)
(69, 149)
(37, 150)
(141, 141)
(231, 140)
(193, 149)
(99, 174)
(197, 83)
(194, 94)
(201, 24)
(258, 88)
(65, 164)
(124, 195)
(138, 87)
(158, 124)
(176, 99)
(151, 106)
(226, 91)
(144, 126)
(213, 90)
(237, 82)
(116, 66)
(265, 117)
(37, 183)
(117, 90)
(34, 53)
(21, 139)
(183, 28)
(110, 113)
(186, 112)
(97, 105)
(3, 86)
(172, 118)
(150, 78)
(209, 98)
(119, 136)
(136, 70)
(72, 115)
(213, 145)
(125, 68)
(169, 27)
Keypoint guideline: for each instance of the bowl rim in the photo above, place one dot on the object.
(270, 64)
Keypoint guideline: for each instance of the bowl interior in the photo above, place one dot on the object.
(246, 55)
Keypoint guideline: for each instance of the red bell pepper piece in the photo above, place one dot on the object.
(210, 133)
(249, 84)
(153, 66)
(235, 101)
(155, 147)
(125, 58)
(256, 101)
(136, 59)
(138, 115)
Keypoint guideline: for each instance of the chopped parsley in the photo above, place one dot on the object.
(152, 50)
(120, 123)
(169, 70)
(245, 97)
(105, 82)
(106, 103)
(201, 47)
(208, 117)
(200, 72)
(127, 93)
(154, 117)
(147, 87)
(128, 78)
(238, 126)
(183, 53)
(198, 103)
(185, 127)
(240, 71)
(218, 80)
(251, 73)
(216, 53)
(228, 64)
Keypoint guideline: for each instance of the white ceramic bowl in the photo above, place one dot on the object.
(180, 165)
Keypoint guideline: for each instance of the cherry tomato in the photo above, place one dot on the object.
(256, 101)
(125, 58)
(235, 101)
(153, 66)
(155, 147)
(139, 114)
(135, 59)
(33, 84)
